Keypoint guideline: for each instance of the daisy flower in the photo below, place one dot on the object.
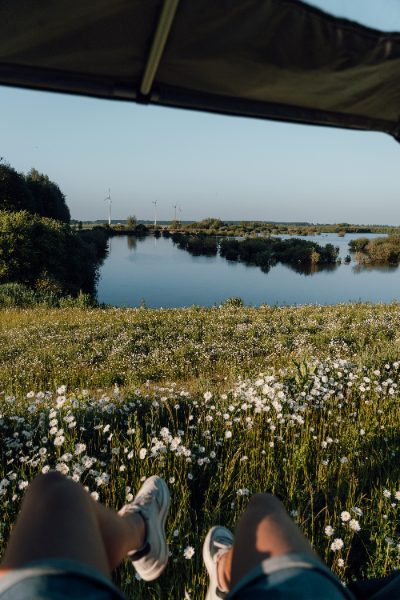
(188, 552)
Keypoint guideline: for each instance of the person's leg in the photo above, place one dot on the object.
(59, 519)
(264, 530)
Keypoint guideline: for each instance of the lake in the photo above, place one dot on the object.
(167, 277)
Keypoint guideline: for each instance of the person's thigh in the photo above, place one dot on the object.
(56, 520)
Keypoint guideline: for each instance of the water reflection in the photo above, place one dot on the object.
(301, 269)
(375, 266)
(155, 269)
(131, 241)
(312, 269)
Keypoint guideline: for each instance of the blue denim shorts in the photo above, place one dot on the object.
(285, 577)
(57, 579)
(304, 578)
(290, 576)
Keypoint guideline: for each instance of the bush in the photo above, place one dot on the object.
(15, 295)
(359, 244)
(47, 254)
(131, 222)
(384, 249)
(235, 301)
(265, 251)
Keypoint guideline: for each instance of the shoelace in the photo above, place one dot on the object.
(143, 499)
(223, 548)
(220, 545)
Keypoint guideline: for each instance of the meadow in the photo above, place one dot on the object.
(222, 402)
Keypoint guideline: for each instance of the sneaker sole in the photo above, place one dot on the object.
(156, 571)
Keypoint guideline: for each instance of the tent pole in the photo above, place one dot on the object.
(157, 47)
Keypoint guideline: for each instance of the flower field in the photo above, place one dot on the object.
(223, 402)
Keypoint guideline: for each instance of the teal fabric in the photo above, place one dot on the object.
(57, 579)
(290, 576)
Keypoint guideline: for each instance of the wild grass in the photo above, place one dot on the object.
(15, 295)
(304, 404)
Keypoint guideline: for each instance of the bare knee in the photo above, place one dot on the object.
(43, 484)
(264, 500)
(53, 488)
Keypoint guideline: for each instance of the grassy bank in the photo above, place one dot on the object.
(304, 403)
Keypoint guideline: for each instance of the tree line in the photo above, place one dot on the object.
(38, 248)
(217, 227)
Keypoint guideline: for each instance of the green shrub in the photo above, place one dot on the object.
(235, 301)
(47, 254)
(15, 295)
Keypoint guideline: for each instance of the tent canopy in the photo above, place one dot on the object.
(274, 59)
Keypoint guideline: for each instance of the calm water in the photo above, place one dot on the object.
(165, 276)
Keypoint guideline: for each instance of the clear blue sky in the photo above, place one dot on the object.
(227, 167)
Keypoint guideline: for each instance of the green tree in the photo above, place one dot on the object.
(47, 254)
(50, 201)
(14, 192)
(131, 222)
(34, 193)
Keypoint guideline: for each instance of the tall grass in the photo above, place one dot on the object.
(15, 295)
(304, 404)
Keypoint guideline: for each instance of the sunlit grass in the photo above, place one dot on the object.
(297, 430)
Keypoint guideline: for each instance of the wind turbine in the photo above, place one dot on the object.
(179, 214)
(155, 212)
(109, 206)
(175, 205)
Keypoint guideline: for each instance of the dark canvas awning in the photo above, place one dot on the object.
(274, 59)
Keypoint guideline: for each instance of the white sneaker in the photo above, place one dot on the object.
(218, 541)
(152, 503)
